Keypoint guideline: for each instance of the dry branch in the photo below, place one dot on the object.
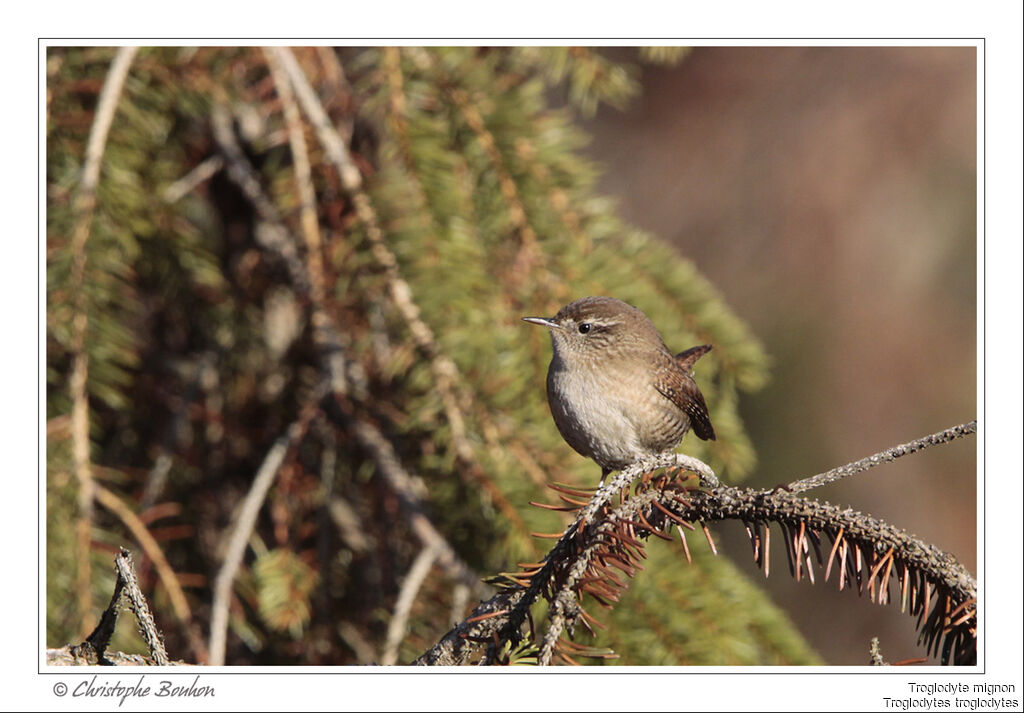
(886, 456)
(341, 372)
(403, 606)
(244, 525)
(93, 650)
(83, 208)
(869, 554)
(446, 373)
(379, 448)
(303, 177)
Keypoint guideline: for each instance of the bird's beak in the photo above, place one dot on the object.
(543, 321)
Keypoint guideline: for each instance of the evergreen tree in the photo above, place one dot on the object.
(244, 249)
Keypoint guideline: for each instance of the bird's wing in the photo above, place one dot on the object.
(675, 383)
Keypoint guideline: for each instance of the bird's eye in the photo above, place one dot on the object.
(584, 328)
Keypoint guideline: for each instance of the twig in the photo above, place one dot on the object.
(156, 479)
(303, 178)
(337, 151)
(459, 644)
(187, 183)
(352, 181)
(876, 653)
(460, 596)
(137, 603)
(465, 638)
(250, 508)
(83, 208)
(325, 333)
(93, 649)
(879, 548)
(404, 486)
(338, 369)
(446, 373)
(403, 606)
(152, 549)
(354, 638)
(105, 108)
(98, 640)
(349, 525)
(273, 233)
(747, 505)
(335, 74)
(886, 456)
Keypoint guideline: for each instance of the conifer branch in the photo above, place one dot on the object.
(603, 540)
(379, 448)
(342, 89)
(444, 369)
(274, 234)
(303, 177)
(337, 367)
(868, 554)
(187, 183)
(875, 653)
(446, 373)
(886, 456)
(93, 650)
(485, 626)
(399, 122)
(83, 208)
(338, 371)
(403, 605)
(244, 524)
(140, 608)
(529, 253)
(342, 372)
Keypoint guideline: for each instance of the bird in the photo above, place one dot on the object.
(616, 391)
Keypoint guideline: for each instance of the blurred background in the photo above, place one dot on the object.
(829, 194)
(809, 211)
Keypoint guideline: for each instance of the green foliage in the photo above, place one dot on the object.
(581, 248)
(484, 196)
(61, 624)
(590, 77)
(708, 613)
(284, 583)
(663, 55)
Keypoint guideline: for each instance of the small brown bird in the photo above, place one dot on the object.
(615, 390)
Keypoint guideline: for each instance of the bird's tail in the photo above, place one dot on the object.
(688, 358)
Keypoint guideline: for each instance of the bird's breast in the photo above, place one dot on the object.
(611, 412)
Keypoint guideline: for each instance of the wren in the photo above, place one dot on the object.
(616, 392)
